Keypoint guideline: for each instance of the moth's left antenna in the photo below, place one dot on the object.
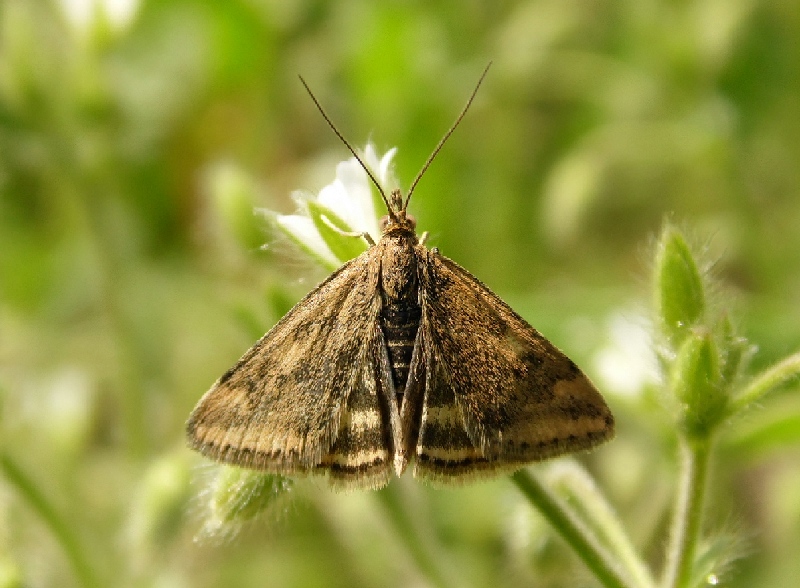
(346, 144)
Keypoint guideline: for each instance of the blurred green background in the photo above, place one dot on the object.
(135, 138)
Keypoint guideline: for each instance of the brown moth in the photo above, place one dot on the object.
(400, 355)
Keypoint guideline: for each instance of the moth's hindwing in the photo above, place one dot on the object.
(497, 394)
(304, 398)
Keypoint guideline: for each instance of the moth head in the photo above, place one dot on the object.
(397, 217)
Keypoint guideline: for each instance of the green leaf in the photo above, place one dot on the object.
(344, 247)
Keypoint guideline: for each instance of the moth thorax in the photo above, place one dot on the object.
(400, 311)
(399, 266)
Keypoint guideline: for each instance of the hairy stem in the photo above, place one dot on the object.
(688, 515)
(766, 381)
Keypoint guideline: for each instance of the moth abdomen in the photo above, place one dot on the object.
(400, 323)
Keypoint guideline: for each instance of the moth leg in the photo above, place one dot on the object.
(423, 238)
(367, 237)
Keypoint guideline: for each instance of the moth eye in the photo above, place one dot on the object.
(412, 221)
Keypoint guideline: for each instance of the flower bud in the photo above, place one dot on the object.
(679, 292)
(697, 383)
(239, 495)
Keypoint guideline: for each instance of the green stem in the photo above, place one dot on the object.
(768, 379)
(688, 515)
(574, 532)
(47, 512)
(592, 507)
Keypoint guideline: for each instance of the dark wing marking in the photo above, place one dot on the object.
(497, 393)
(287, 401)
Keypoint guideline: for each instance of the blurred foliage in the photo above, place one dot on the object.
(131, 274)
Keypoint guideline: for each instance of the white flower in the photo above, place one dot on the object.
(301, 230)
(343, 206)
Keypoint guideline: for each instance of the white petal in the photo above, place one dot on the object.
(371, 156)
(350, 197)
(384, 167)
(301, 229)
(380, 166)
(335, 196)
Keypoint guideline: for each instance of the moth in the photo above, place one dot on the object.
(400, 356)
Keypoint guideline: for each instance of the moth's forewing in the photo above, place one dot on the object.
(363, 453)
(284, 405)
(498, 394)
(445, 451)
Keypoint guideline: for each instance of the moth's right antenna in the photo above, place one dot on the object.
(446, 136)
(353, 151)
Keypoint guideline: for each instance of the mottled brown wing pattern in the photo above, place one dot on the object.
(363, 453)
(497, 393)
(294, 403)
